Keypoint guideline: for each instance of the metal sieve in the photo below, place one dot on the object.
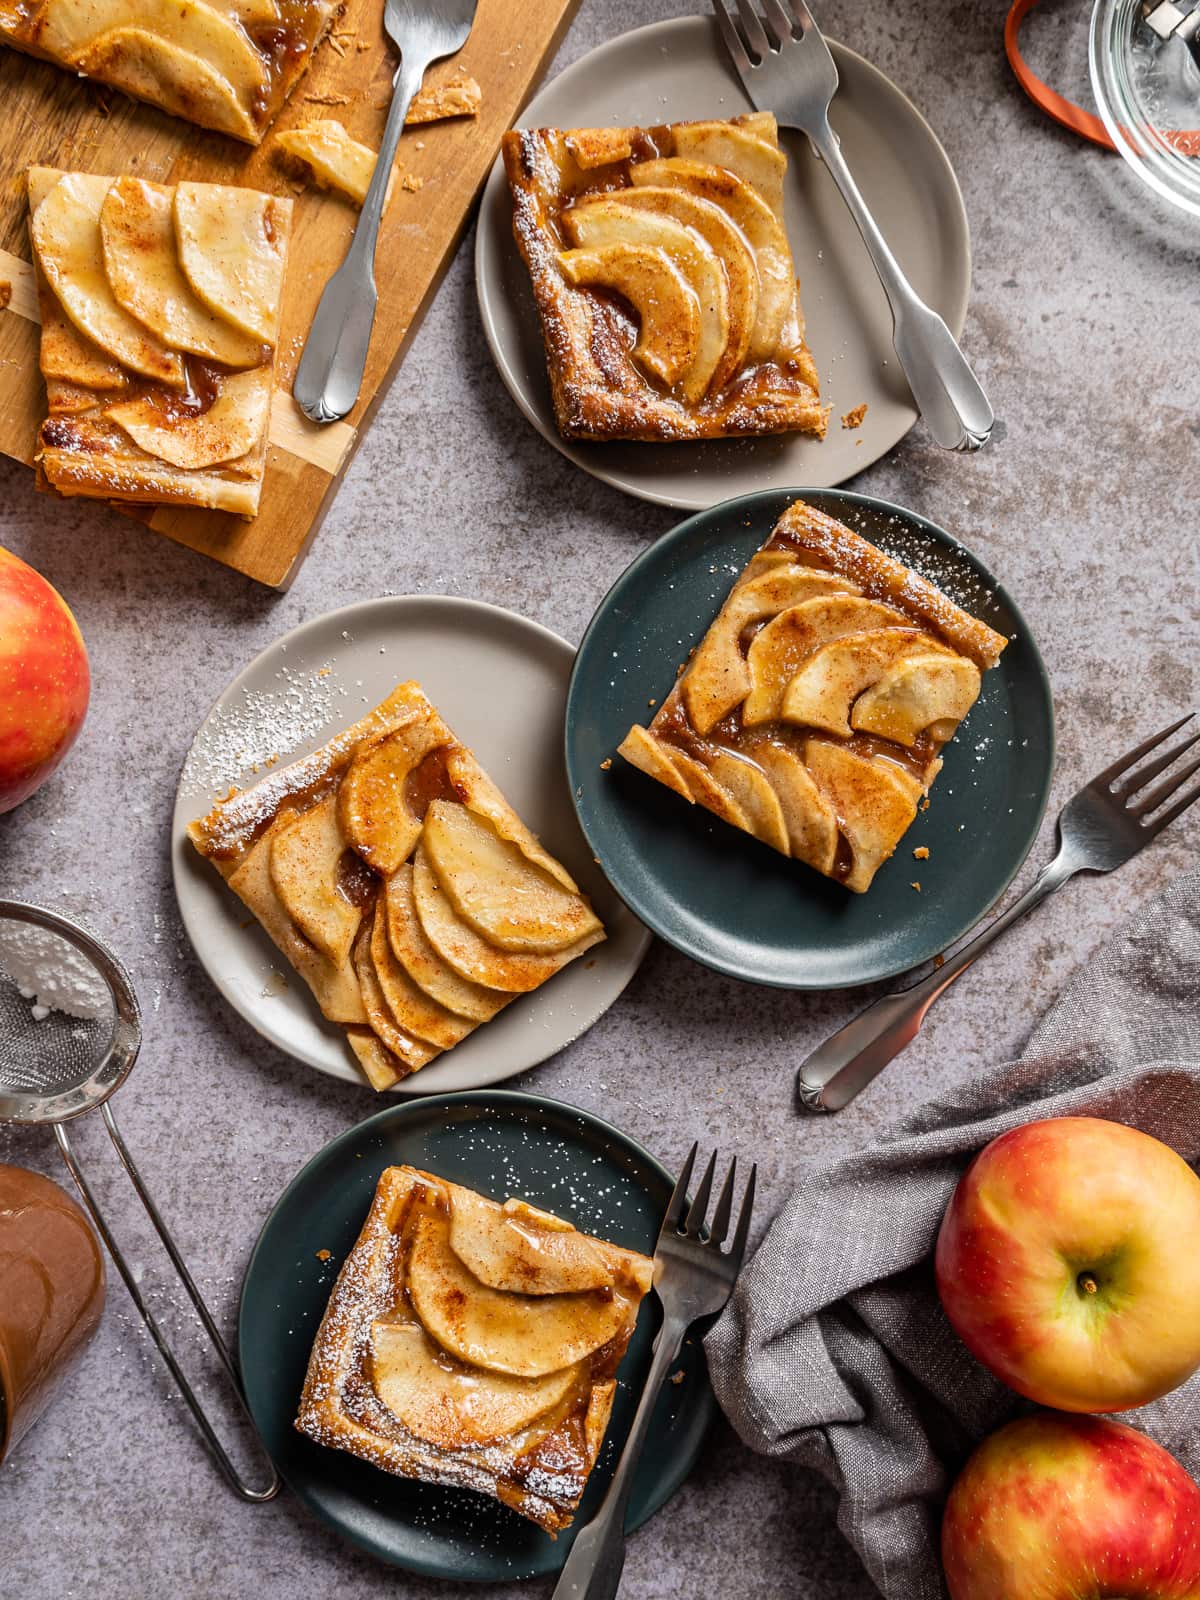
(55, 1066)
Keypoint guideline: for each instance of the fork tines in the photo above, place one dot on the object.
(1130, 793)
(692, 1225)
(757, 35)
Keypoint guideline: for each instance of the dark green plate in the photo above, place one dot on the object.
(502, 1144)
(719, 895)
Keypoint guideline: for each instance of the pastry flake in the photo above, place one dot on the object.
(813, 711)
(330, 157)
(228, 65)
(400, 884)
(474, 1344)
(160, 318)
(459, 96)
(664, 280)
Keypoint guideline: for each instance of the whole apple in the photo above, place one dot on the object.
(44, 680)
(1062, 1508)
(1068, 1262)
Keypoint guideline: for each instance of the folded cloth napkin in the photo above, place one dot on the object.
(834, 1351)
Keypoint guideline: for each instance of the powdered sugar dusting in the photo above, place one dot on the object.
(258, 727)
(340, 1408)
(51, 973)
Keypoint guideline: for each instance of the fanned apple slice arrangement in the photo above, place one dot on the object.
(160, 317)
(474, 1343)
(664, 279)
(812, 711)
(400, 884)
(697, 247)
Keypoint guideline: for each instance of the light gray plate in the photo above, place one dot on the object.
(501, 683)
(673, 71)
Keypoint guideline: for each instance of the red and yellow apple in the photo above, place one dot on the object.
(1068, 1262)
(1072, 1508)
(44, 680)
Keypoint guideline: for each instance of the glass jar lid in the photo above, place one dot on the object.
(1145, 67)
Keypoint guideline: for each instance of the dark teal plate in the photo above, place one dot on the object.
(717, 894)
(502, 1144)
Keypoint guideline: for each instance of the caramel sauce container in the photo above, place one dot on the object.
(51, 1295)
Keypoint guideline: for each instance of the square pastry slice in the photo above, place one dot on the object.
(400, 884)
(474, 1344)
(813, 711)
(228, 65)
(160, 322)
(664, 279)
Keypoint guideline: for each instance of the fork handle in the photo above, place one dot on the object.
(331, 369)
(856, 1054)
(947, 392)
(593, 1568)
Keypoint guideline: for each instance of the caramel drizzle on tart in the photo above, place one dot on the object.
(813, 712)
(400, 884)
(159, 310)
(472, 1343)
(227, 66)
(664, 279)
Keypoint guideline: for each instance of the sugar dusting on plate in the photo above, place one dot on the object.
(259, 727)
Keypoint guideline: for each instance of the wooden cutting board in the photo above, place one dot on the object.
(54, 119)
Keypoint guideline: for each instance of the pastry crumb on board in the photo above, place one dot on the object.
(853, 418)
(329, 157)
(459, 96)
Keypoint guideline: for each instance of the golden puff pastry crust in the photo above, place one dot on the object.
(813, 712)
(160, 320)
(400, 884)
(664, 280)
(474, 1344)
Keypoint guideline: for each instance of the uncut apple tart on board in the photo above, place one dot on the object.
(813, 712)
(664, 279)
(474, 1344)
(400, 884)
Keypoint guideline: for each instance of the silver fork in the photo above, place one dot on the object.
(1099, 829)
(335, 353)
(785, 67)
(693, 1278)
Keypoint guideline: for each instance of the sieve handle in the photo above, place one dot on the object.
(236, 1482)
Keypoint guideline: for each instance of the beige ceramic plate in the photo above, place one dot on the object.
(672, 71)
(501, 684)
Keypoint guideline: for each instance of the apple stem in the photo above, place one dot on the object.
(1088, 1284)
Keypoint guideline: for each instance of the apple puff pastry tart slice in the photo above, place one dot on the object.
(664, 280)
(813, 712)
(400, 884)
(474, 1344)
(225, 64)
(160, 321)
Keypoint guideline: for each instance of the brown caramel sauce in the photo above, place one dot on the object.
(356, 881)
(429, 782)
(615, 330)
(673, 726)
(203, 381)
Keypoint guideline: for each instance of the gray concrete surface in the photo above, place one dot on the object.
(1086, 509)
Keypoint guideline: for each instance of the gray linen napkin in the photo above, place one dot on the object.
(834, 1351)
